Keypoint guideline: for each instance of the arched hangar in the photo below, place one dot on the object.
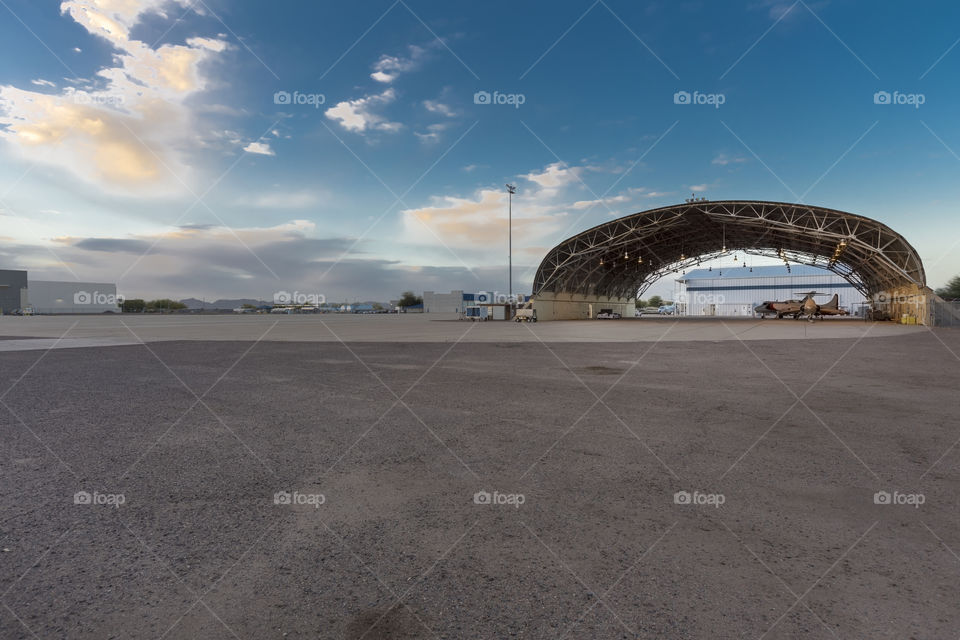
(612, 264)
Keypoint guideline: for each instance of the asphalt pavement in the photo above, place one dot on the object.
(290, 489)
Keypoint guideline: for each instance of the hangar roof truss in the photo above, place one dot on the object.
(623, 257)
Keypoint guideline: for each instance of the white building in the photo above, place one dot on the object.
(47, 296)
(442, 302)
(736, 290)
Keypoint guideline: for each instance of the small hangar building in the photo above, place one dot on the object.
(435, 302)
(18, 291)
(736, 290)
(51, 296)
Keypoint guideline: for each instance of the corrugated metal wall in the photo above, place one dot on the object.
(734, 295)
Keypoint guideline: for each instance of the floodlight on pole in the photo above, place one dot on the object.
(510, 191)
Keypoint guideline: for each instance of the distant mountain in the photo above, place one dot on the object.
(193, 303)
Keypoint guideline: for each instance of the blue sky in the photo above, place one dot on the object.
(149, 142)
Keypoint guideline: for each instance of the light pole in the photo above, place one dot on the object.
(510, 191)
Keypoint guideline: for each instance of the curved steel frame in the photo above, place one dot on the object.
(622, 258)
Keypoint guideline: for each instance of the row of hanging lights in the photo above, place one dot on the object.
(723, 250)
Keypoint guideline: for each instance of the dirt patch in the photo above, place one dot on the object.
(381, 624)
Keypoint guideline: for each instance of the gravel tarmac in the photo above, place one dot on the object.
(376, 490)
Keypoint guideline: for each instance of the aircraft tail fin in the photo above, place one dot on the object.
(834, 302)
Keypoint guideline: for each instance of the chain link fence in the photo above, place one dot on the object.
(944, 313)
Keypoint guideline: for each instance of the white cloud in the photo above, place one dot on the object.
(723, 159)
(260, 148)
(438, 107)
(433, 133)
(358, 115)
(40, 82)
(387, 68)
(211, 44)
(475, 227)
(554, 178)
(555, 175)
(697, 187)
(477, 224)
(127, 135)
(586, 204)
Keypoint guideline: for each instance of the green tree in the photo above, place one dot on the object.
(165, 304)
(137, 305)
(409, 299)
(655, 301)
(952, 290)
(377, 306)
(640, 303)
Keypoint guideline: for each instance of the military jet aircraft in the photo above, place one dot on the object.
(797, 308)
(832, 308)
(779, 308)
(811, 307)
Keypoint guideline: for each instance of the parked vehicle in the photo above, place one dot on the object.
(608, 314)
(525, 315)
